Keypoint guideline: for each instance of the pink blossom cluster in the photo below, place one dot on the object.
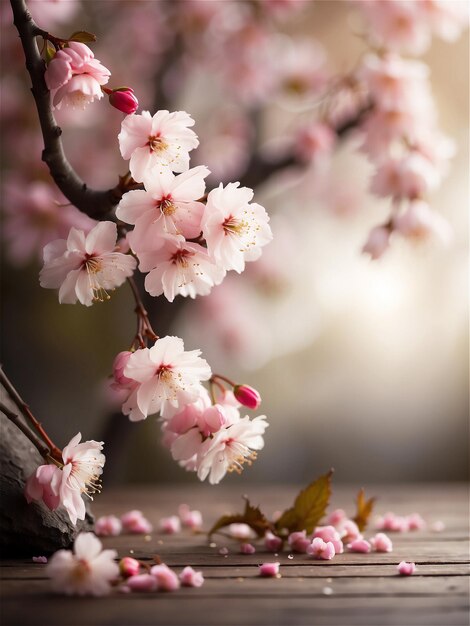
(159, 578)
(400, 523)
(136, 523)
(401, 138)
(64, 483)
(210, 438)
(186, 244)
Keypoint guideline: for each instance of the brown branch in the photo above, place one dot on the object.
(144, 327)
(95, 203)
(26, 412)
(43, 450)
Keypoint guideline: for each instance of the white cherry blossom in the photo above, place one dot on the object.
(86, 267)
(163, 140)
(235, 229)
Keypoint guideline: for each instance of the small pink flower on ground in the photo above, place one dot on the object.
(86, 571)
(247, 548)
(108, 526)
(406, 569)
(190, 519)
(269, 569)
(329, 533)
(135, 522)
(166, 578)
(191, 578)
(247, 396)
(39, 559)
(142, 582)
(240, 531)
(349, 531)
(438, 526)
(223, 551)
(75, 77)
(359, 545)
(298, 541)
(381, 543)
(129, 566)
(161, 141)
(320, 549)
(415, 522)
(271, 542)
(336, 517)
(124, 100)
(392, 522)
(170, 525)
(86, 267)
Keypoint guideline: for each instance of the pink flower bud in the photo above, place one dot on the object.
(377, 242)
(142, 582)
(406, 569)
(415, 522)
(271, 542)
(190, 519)
(247, 548)
(191, 578)
(247, 396)
(170, 525)
(269, 569)
(135, 522)
(166, 578)
(124, 100)
(359, 545)
(39, 559)
(129, 566)
(381, 543)
(119, 364)
(298, 541)
(108, 526)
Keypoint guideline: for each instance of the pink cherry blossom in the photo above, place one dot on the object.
(420, 222)
(438, 526)
(40, 559)
(168, 206)
(247, 548)
(298, 541)
(395, 523)
(381, 543)
(349, 531)
(108, 526)
(269, 569)
(124, 100)
(34, 216)
(158, 142)
(446, 19)
(336, 517)
(315, 141)
(135, 522)
(406, 568)
(329, 533)
(119, 364)
(359, 545)
(39, 486)
(52, 12)
(142, 582)
(247, 396)
(178, 268)
(230, 448)
(190, 578)
(271, 542)
(377, 242)
(235, 229)
(320, 549)
(416, 522)
(85, 267)
(166, 578)
(129, 566)
(240, 531)
(170, 525)
(169, 377)
(190, 518)
(86, 571)
(75, 77)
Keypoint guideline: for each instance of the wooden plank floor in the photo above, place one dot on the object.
(362, 589)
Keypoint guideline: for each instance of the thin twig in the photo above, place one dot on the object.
(43, 450)
(55, 451)
(95, 203)
(144, 327)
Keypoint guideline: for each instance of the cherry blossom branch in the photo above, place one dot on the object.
(95, 203)
(13, 417)
(26, 411)
(144, 327)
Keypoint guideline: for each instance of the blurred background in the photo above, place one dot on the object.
(362, 365)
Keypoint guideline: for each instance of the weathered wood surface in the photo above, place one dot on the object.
(362, 589)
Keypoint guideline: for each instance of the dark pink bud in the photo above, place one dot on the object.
(124, 100)
(247, 396)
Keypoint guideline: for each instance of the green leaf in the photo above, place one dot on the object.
(49, 52)
(82, 36)
(309, 506)
(251, 516)
(364, 509)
